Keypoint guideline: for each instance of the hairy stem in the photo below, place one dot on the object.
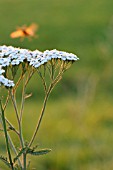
(6, 137)
(13, 98)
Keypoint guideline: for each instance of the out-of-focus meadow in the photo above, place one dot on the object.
(78, 123)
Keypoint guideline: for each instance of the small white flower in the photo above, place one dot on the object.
(63, 58)
(1, 60)
(39, 58)
(15, 62)
(6, 82)
(36, 53)
(2, 54)
(49, 57)
(29, 57)
(3, 80)
(37, 64)
(13, 55)
(4, 47)
(32, 61)
(5, 61)
(23, 51)
(44, 61)
(9, 83)
(22, 57)
(2, 71)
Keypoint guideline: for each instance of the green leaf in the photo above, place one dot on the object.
(19, 154)
(39, 152)
(5, 161)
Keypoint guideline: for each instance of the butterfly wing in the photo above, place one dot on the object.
(31, 30)
(17, 34)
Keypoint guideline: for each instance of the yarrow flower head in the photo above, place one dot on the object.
(11, 57)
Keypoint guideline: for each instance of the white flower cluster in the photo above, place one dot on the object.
(14, 56)
(5, 81)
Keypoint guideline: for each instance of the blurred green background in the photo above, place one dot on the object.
(78, 124)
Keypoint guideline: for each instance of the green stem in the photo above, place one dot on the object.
(14, 104)
(18, 82)
(24, 159)
(4, 107)
(21, 114)
(6, 137)
(14, 149)
(13, 98)
(22, 104)
(43, 80)
(23, 94)
(6, 102)
(19, 123)
(11, 126)
(11, 143)
(40, 117)
(22, 143)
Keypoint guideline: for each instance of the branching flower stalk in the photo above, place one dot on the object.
(54, 80)
(17, 66)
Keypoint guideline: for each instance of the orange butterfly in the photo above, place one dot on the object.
(25, 31)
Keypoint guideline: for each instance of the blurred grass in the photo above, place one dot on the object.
(78, 123)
